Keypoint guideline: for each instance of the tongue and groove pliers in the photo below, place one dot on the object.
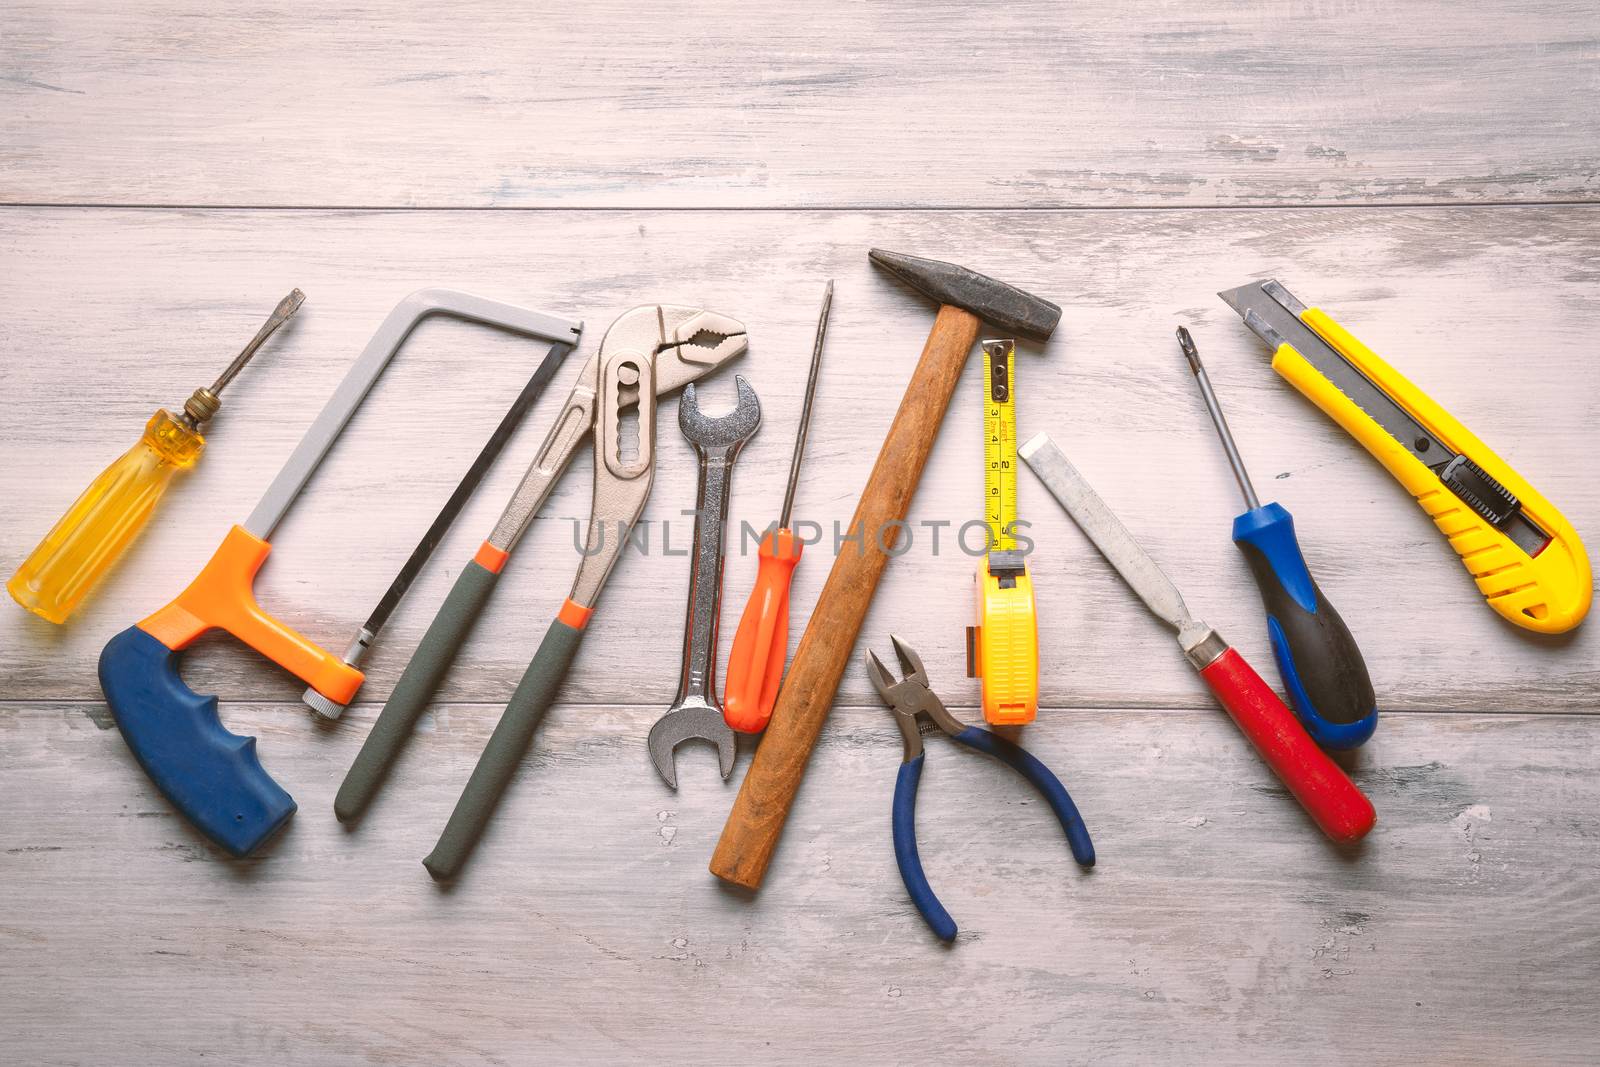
(623, 382)
(913, 701)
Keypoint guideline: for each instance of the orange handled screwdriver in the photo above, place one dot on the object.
(760, 645)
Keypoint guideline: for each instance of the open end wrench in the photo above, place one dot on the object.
(697, 714)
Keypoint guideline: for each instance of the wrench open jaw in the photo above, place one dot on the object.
(696, 714)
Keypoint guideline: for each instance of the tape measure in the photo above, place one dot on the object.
(1003, 648)
(999, 445)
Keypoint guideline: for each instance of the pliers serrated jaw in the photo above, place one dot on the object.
(910, 698)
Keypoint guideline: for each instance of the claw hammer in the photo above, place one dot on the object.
(966, 301)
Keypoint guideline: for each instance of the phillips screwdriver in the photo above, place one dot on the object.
(88, 540)
(1317, 657)
(1327, 794)
(760, 645)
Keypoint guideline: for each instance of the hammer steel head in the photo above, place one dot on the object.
(995, 302)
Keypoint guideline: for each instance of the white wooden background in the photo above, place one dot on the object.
(1426, 170)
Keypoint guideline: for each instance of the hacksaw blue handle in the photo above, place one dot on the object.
(210, 775)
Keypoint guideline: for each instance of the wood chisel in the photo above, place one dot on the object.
(211, 776)
(1332, 800)
(97, 529)
(1317, 656)
(1525, 557)
(1003, 648)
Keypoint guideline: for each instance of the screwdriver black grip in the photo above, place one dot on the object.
(1317, 657)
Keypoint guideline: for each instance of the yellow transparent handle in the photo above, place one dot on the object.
(104, 520)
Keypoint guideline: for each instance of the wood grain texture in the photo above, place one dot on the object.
(1218, 925)
(1491, 310)
(1428, 167)
(909, 102)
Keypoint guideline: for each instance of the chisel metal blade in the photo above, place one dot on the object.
(1115, 543)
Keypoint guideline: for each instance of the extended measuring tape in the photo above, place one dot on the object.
(1003, 648)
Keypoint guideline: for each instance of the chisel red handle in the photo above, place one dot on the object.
(1332, 800)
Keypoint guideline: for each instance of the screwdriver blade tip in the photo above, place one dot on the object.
(1190, 352)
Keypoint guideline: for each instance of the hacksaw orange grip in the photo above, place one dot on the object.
(221, 597)
(760, 645)
(1548, 593)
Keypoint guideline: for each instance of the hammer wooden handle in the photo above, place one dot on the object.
(753, 826)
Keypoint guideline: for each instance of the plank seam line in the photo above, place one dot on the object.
(846, 208)
(968, 711)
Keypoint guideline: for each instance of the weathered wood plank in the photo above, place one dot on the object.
(1492, 310)
(1218, 926)
(611, 104)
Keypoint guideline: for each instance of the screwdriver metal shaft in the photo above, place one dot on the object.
(805, 407)
(761, 643)
(1208, 394)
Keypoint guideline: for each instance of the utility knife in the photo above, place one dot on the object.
(1524, 555)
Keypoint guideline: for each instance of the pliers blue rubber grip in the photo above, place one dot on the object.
(910, 699)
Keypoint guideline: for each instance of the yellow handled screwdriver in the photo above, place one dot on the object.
(761, 644)
(99, 526)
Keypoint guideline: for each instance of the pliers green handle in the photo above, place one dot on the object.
(911, 699)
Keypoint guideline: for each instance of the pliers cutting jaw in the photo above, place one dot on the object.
(685, 341)
(692, 342)
(911, 699)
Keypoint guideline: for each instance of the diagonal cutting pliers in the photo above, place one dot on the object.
(912, 700)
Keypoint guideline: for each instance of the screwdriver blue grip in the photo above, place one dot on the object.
(1317, 657)
(904, 817)
(1042, 779)
(210, 775)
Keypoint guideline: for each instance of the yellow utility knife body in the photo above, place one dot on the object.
(1003, 648)
(1525, 557)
